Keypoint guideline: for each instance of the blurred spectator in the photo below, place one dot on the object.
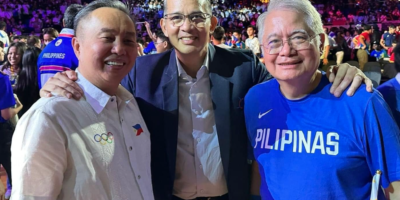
(217, 36)
(27, 88)
(13, 63)
(34, 41)
(252, 42)
(49, 34)
(162, 44)
(36, 23)
(4, 37)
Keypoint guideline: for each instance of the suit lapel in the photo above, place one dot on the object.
(221, 97)
(170, 107)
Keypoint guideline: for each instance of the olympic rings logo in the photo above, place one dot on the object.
(104, 138)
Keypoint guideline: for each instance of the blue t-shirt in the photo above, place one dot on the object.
(391, 93)
(321, 147)
(388, 38)
(58, 56)
(6, 95)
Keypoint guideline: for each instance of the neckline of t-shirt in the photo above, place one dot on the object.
(322, 83)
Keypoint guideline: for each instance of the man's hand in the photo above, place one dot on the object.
(325, 61)
(343, 75)
(147, 25)
(62, 84)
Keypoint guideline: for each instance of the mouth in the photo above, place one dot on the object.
(290, 63)
(188, 39)
(114, 63)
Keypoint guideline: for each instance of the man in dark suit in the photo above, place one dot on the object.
(191, 100)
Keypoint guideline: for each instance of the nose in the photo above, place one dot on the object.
(187, 24)
(119, 48)
(286, 50)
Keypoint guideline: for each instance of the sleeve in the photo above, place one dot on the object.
(256, 49)
(381, 140)
(6, 95)
(38, 157)
(129, 80)
(149, 48)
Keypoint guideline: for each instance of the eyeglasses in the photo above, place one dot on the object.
(299, 41)
(197, 19)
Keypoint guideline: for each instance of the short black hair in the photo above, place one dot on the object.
(366, 27)
(86, 11)
(237, 31)
(251, 26)
(218, 33)
(33, 40)
(396, 52)
(392, 26)
(161, 35)
(70, 14)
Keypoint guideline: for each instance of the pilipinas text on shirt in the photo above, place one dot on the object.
(297, 141)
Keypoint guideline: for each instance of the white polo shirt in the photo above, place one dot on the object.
(95, 148)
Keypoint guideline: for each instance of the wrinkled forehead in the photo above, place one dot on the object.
(188, 6)
(285, 23)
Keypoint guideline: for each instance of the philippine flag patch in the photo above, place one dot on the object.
(138, 129)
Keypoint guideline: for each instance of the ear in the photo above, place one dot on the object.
(76, 46)
(214, 22)
(165, 44)
(163, 24)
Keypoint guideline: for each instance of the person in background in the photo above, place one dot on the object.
(391, 52)
(340, 47)
(295, 143)
(58, 55)
(2, 53)
(95, 148)
(27, 88)
(388, 38)
(365, 42)
(10, 106)
(237, 40)
(390, 90)
(34, 41)
(4, 36)
(162, 43)
(217, 36)
(252, 42)
(13, 64)
(49, 34)
(378, 52)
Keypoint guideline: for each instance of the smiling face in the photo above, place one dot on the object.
(289, 64)
(188, 39)
(14, 57)
(105, 45)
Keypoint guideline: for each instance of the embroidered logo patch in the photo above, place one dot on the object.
(138, 129)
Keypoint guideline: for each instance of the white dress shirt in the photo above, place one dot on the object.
(199, 171)
(97, 148)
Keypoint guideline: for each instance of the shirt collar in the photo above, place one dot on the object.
(97, 98)
(67, 32)
(182, 71)
(398, 77)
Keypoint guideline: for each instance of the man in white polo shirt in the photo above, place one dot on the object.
(97, 147)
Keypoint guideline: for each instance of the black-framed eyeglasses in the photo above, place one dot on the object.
(197, 19)
(298, 41)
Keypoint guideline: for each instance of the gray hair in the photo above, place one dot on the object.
(311, 16)
(205, 4)
(84, 13)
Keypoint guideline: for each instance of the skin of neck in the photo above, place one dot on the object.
(216, 42)
(108, 87)
(191, 63)
(300, 87)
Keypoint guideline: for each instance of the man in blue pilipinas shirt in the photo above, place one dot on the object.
(59, 56)
(388, 38)
(307, 143)
(391, 89)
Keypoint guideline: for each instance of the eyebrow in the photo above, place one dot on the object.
(194, 12)
(291, 33)
(109, 30)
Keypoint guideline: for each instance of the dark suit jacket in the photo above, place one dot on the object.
(154, 82)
